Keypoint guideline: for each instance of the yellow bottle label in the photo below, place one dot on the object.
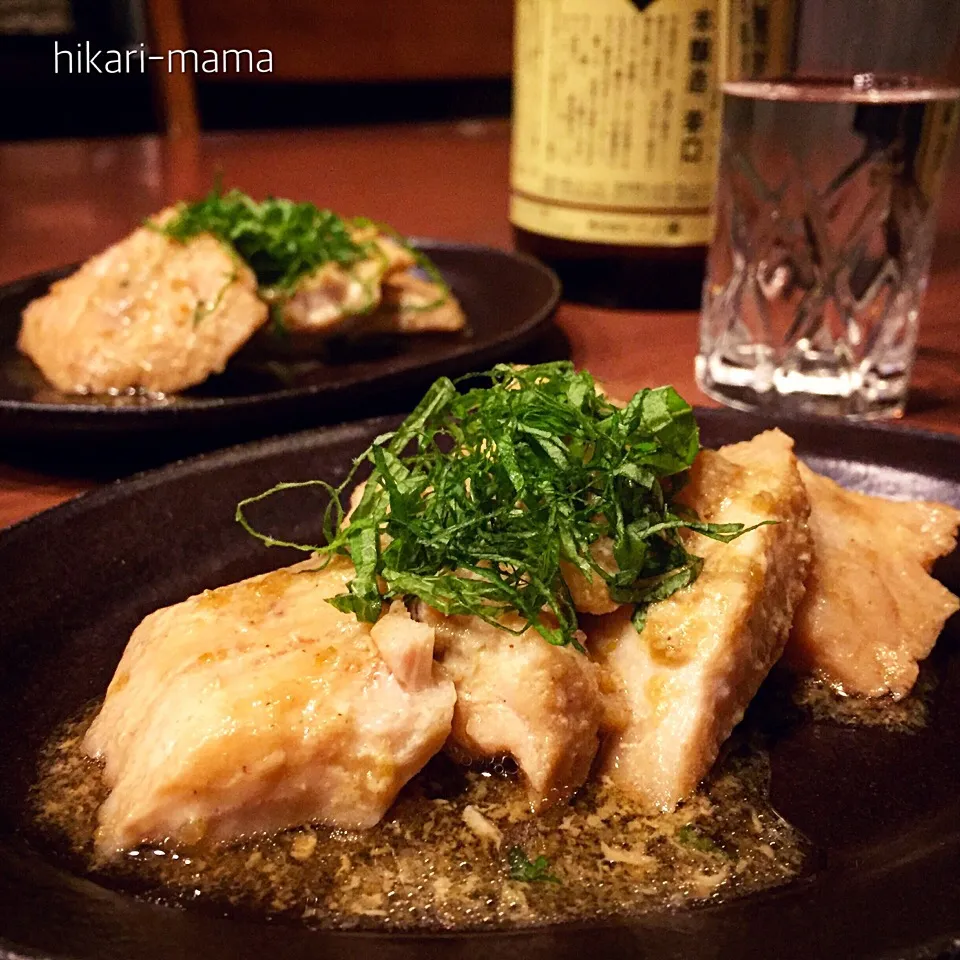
(940, 121)
(757, 39)
(616, 120)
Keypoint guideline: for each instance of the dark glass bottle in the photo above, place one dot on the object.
(616, 118)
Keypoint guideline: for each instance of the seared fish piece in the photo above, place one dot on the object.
(148, 313)
(592, 596)
(872, 611)
(259, 706)
(688, 677)
(334, 299)
(412, 304)
(522, 696)
(378, 294)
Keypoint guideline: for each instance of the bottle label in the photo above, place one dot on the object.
(940, 122)
(616, 120)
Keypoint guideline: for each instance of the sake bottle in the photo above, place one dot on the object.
(614, 146)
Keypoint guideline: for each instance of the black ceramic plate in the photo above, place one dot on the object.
(882, 809)
(507, 298)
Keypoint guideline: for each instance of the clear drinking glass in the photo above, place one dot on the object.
(838, 120)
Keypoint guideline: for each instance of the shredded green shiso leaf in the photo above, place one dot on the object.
(525, 870)
(278, 239)
(283, 241)
(475, 500)
(691, 836)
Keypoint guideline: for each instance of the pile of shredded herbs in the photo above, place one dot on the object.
(283, 241)
(476, 499)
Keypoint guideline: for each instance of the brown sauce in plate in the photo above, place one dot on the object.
(822, 702)
(440, 859)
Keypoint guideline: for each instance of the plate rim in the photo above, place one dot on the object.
(144, 479)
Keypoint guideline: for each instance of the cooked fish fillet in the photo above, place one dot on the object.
(412, 304)
(335, 299)
(872, 611)
(592, 596)
(259, 706)
(687, 679)
(147, 313)
(518, 695)
(522, 696)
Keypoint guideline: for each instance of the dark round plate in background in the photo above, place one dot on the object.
(507, 297)
(881, 808)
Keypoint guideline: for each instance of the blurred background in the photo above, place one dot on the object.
(417, 60)
(402, 112)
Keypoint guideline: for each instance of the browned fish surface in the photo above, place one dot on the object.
(517, 694)
(335, 298)
(148, 313)
(592, 596)
(412, 304)
(259, 706)
(872, 610)
(377, 294)
(688, 677)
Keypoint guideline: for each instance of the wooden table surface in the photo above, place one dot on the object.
(62, 201)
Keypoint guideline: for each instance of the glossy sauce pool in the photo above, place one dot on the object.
(440, 859)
